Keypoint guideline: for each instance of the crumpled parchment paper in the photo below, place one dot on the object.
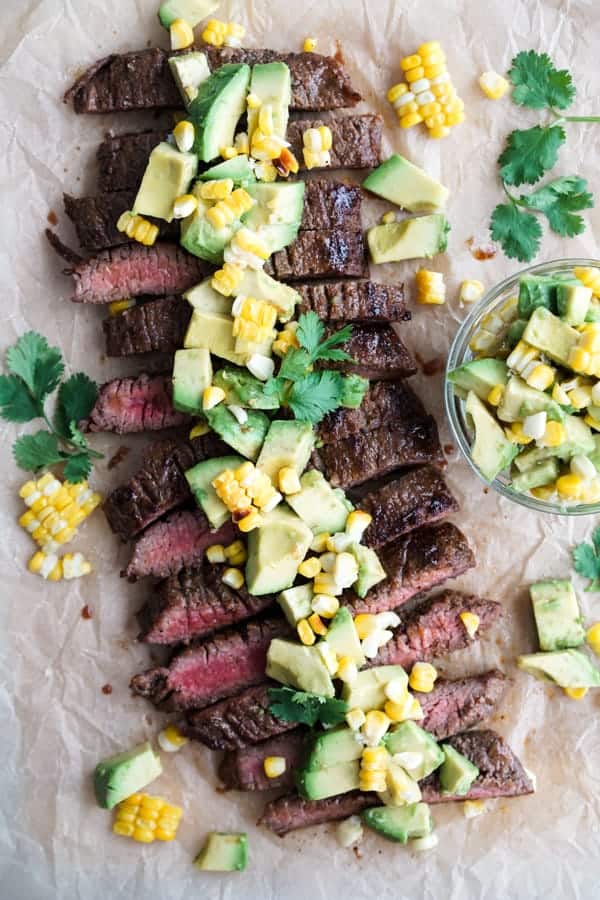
(56, 722)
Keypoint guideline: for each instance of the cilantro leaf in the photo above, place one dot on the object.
(77, 396)
(310, 331)
(39, 365)
(518, 232)
(295, 364)
(327, 350)
(530, 153)
(586, 561)
(596, 540)
(78, 467)
(558, 200)
(16, 403)
(313, 396)
(306, 709)
(538, 83)
(35, 451)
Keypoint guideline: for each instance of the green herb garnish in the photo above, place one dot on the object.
(586, 560)
(530, 153)
(36, 370)
(306, 709)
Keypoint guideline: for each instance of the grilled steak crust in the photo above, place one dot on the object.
(377, 353)
(356, 139)
(129, 405)
(371, 454)
(354, 301)
(243, 770)
(384, 402)
(321, 254)
(215, 668)
(501, 773)
(193, 603)
(418, 498)
(462, 703)
(318, 82)
(122, 159)
(156, 326)
(292, 812)
(173, 543)
(95, 219)
(331, 205)
(237, 722)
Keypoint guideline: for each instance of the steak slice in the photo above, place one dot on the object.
(418, 498)
(354, 301)
(318, 82)
(173, 543)
(216, 667)
(384, 402)
(377, 353)
(356, 140)
(501, 773)
(321, 254)
(237, 722)
(243, 770)
(132, 404)
(122, 159)
(194, 602)
(331, 205)
(95, 219)
(370, 454)
(292, 812)
(156, 326)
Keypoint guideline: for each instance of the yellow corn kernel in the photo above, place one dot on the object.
(493, 85)
(494, 398)
(397, 91)
(590, 341)
(212, 396)
(309, 45)
(471, 291)
(570, 487)
(410, 62)
(184, 206)
(439, 131)
(317, 624)
(433, 69)
(357, 523)
(325, 605)
(410, 120)
(123, 828)
(590, 277)
(325, 583)
(347, 671)
(171, 740)
(219, 189)
(250, 521)
(215, 554)
(470, 621)
(185, 135)
(249, 242)
(234, 551)
(580, 360)
(593, 423)
(388, 217)
(396, 712)
(253, 101)
(429, 47)
(274, 766)
(199, 430)
(365, 624)
(555, 434)
(544, 492)
(516, 435)
(289, 483)
(265, 119)
(430, 109)
(119, 306)
(375, 726)
(355, 719)
(422, 677)
(541, 377)
(47, 565)
(182, 35)
(577, 693)
(431, 289)
(592, 637)
(326, 137)
(406, 108)
(319, 542)
(75, 566)
(310, 567)
(454, 118)
(305, 633)
(233, 578)
(580, 397)
(374, 759)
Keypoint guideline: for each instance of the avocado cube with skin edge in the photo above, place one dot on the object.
(238, 169)
(223, 852)
(330, 748)
(215, 112)
(457, 773)
(480, 376)
(192, 374)
(566, 668)
(123, 774)
(491, 450)
(406, 185)
(422, 236)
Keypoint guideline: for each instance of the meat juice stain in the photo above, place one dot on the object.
(52, 218)
(107, 689)
(484, 251)
(118, 457)
(449, 448)
(86, 612)
(431, 366)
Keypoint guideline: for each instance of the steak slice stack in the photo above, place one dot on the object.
(321, 254)
(356, 140)
(354, 301)
(122, 159)
(384, 402)
(133, 404)
(156, 326)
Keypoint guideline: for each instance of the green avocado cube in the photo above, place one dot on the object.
(400, 823)
(167, 176)
(192, 374)
(275, 550)
(200, 479)
(217, 109)
(296, 603)
(247, 439)
(223, 852)
(423, 236)
(409, 738)
(287, 444)
(271, 83)
(546, 471)
(299, 667)
(238, 169)
(122, 775)
(573, 302)
(370, 570)
(189, 71)
(329, 782)
(367, 691)
(491, 450)
(548, 333)
(457, 773)
(557, 615)
(343, 638)
(322, 507)
(403, 183)
(566, 668)
(331, 748)
(480, 376)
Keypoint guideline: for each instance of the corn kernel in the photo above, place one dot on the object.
(590, 277)
(212, 396)
(494, 398)
(118, 306)
(318, 625)
(185, 135)
(470, 621)
(235, 553)
(184, 206)
(396, 691)
(570, 487)
(123, 828)
(374, 759)
(310, 567)
(325, 605)
(288, 481)
(170, 739)
(305, 633)
(309, 45)
(422, 677)
(410, 62)
(592, 637)
(234, 578)
(355, 719)
(325, 583)
(250, 521)
(388, 217)
(541, 377)
(319, 542)
(410, 120)
(580, 360)
(493, 85)
(228, 152)
(347, 670)
(365, 624)
(555, 434)
(439, 131)
(397, 91)
(375, 726)
(577, 693)
(182, 35)
(431, 289)
(516, 435)
(274, 766)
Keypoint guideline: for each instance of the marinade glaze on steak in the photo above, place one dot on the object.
(142, 80)
(129, 405)
(354, 301)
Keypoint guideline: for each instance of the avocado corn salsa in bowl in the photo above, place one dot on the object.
(522, 387)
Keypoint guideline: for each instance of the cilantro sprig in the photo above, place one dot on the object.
(530, 153)
(35, 372)
(306, 709)
(586, 560)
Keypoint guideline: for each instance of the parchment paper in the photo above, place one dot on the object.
(56, 722)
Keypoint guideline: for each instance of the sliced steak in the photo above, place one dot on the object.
(418, 498)
(321, 254)
(318, 82)
(173, 543)
(194, 603)
(384, 402)
(462, 703)
(129, 405)
(501, 773)
(214, 668)
(95, 220)
(134, 270)
(243, 770)
(370, 454)
(377, 353)
(122, 159)
(356, 140)
(292, 812)
(354, 301)
(331, 205)
(156, 326)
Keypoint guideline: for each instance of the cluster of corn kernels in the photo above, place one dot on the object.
(374, 631)
(526, 361)
(253, 320)
(219, 189)
(56, 568)
(217, 33)
(488, 337)
(56, 509)
(245, 491)
(574, 486)
(137, 228)
(147, 819)
(286, 340)
(431, 288)
(373, 766)
(235, 555)
(584, 358)
(428, 95)
(227, 279)
(246, 249)
(316, 149)
(232, 207)
(182, 34)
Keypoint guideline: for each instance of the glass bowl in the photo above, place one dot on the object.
(455, 407)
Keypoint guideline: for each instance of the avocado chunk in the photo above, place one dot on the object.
(299, 667)
(566, 668)
(557, 615)
(200, 238)
(296, 603)
(256, 283)
(370, 570)
(247, 438)
(223, 852)
(286, 444)
(214, 332)
(573, 302)
(322, 507)
(272, 84)
(594, 455)
(200, 479)
(400, 823)
(515, 332)
(354, 388)
(238, 169)
(593, 313)
(120, 776)
(277, 213)
(333, 747)
(275, 550)
(246, 348)
(403, 183)
(204, 297)
(189, 71)
(423, 236)
(578, 442)
(409, 738)
(548, 333)
(539, 475)
(536, 291)
(491, 451)
(167, 176)
(328, 782)
(367, 691)
(480, 376)
(193, 11)
(519, 401)
(243, 389)
(457, 773)
(342, 637)
(215, 112)
(192, 373)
